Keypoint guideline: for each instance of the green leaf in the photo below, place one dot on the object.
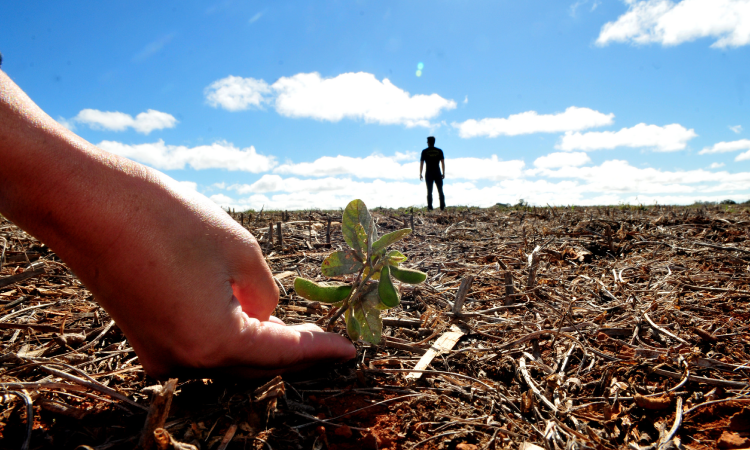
(369, 294)
(353, 328)
(341, 263)
(386, 290)
(395, 257)
(390, 238)
(376, 274)
(326, 292)
(361, 239)
(356, 213)
(409, 276)
(368, 316)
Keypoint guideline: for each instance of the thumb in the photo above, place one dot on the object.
(253, 285)
(272, 346)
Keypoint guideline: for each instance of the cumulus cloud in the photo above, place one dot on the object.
(491, 168)
(618, 176)
(355, 96)
(389, 167)
(373, 166)
(670, 23)
(219, 155)
(611, 182)
(221, 199)
(275, 183)
(562, 159)
(237, 93)
(188, 185)
(716, 165)
(358, 96)
(743, 156)
(724, 147)
(407, 156)
(572, 119)
(273, 191)
(145, 122)
(668, 138)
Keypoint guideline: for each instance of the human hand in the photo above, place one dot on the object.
(420, 177)
(196, 297)
(186, 284)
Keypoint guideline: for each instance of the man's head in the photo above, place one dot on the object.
(431, 141)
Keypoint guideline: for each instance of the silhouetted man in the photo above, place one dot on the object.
(433, 156)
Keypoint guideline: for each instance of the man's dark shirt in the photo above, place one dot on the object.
(432, 157)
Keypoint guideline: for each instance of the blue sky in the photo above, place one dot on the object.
(309, 104)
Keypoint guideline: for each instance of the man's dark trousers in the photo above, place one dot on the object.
(438, 180)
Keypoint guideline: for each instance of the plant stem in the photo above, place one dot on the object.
(352, 297)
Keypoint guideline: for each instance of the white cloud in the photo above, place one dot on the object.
(389, 168)
(349, 95)
(743, 156)
(668, 138)
(237, 93)
(275, 183)
(408, 156)
(670, 23)
(373, 166)
(490, 168)
(610, 183)
(274, 192)
(219, 155)
(724, 147)
(562, 159)
(618, 176)
(716, 165)
(188, 185)
(320, 192)
(223, 200)
(144, 123)
(355, 96)
(737, 128)
(573, 119)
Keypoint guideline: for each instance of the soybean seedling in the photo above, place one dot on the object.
(373, 288)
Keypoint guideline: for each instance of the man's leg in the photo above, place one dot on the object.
(429, 181)
(439, 184)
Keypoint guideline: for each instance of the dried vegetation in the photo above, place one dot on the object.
(562, 327)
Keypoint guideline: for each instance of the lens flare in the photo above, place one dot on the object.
(420, 66)
(419, 73)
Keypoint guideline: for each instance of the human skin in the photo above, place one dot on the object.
(186, 284)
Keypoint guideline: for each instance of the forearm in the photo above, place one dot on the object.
(421, 166)
(63, 190)
(48, 173)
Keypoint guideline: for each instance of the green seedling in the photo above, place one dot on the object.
(373, 289)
